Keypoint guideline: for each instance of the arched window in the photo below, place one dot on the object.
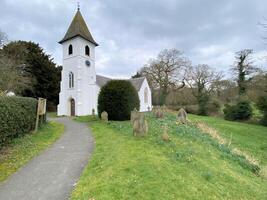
(146, 95)
(70, 49)
(71, 80)
(87, 50)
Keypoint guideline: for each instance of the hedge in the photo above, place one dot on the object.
(17, 117)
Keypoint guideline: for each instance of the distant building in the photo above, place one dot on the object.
(80, 85)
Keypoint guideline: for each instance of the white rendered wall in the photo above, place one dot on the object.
(141, 93)
(84, 91)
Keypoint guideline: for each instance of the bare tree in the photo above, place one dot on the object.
(243, 67)
(12, 78)
(3, 39)
(166, 72)
(201, 79)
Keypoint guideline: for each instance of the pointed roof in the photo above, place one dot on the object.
(78, 27)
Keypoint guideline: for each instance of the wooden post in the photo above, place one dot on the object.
(41, 111)
(36, 122)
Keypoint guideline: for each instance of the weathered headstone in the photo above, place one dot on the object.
(159, 113)
(182, 116)
(164, 108)
(104, 116)
(165, 136)
(140, 127)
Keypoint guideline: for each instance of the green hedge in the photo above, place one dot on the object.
(17, 117)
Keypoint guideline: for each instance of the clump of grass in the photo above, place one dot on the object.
(207, 175)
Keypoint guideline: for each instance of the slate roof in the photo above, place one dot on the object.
(101, 80)
(136, 82)
(78, 27)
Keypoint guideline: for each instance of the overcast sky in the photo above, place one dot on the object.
(132, 31)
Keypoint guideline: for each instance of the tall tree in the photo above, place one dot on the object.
(166, 72)
(201, 79)
(45, 76)
(243, 67)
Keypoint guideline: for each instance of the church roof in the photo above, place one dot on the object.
(78, 27)
(101, 80)
(136, 82)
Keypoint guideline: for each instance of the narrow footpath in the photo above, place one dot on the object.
(53, 174)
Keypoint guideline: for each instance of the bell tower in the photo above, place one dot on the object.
(78, 77)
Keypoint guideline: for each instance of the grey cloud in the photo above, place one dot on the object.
(130, 32)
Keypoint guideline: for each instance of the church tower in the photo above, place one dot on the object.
(78, 89)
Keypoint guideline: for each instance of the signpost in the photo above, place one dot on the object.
(41, 111)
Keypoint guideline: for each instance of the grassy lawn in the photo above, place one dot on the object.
(23, 149)
(191, 166)
(247, 137)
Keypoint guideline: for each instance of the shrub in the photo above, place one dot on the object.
(262, 105)
(241, 111)
(192, 109)
(118, 98)
(214, 107)
(17, 117)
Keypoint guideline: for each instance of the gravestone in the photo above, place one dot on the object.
(104, 116)
(158, 112)
(140, 127)
(165, 136)
(182, 116)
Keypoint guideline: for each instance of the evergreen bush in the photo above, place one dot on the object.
(17, 117)
(118, 98)
(241, 111)
(262, 105)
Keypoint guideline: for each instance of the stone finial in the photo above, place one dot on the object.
(104, 116)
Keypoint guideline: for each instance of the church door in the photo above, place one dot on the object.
(72, 107)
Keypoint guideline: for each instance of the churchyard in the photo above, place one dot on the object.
(186, 123)
(190, 165)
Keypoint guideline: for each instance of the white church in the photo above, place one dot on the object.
(80, 85)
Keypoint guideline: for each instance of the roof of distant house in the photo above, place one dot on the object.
(136, 82)
(78, 27)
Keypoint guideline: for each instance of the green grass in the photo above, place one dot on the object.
(247, 137)
(23, 149)
(191, 166)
